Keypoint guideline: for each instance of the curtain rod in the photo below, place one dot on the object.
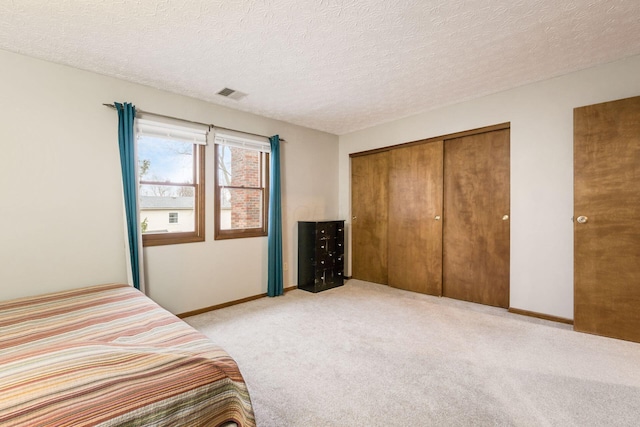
(193, 122)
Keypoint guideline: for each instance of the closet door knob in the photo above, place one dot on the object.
(354, 218)
(437, 218)
(505, 217)
(582, 219)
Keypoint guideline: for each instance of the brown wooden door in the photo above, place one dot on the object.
(415, 211)
(607, 239)
(369, 200)
(476, 223)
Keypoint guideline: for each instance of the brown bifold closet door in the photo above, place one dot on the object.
(415, 218)
(607, 219)
(369, 221)
(476, 218)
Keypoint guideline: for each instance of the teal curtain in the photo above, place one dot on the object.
(126, 141)
(275, 283)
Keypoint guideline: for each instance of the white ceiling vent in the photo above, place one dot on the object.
(232, 94)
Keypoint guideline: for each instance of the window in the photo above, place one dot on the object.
(242, 191)
(171, 182)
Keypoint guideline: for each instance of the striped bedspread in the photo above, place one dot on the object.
(109, 356)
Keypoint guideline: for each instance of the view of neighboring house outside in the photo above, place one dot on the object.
(160, 214)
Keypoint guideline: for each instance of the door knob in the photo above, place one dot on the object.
(354, 218)
(505, 217)
(582, 219)
(437, 218)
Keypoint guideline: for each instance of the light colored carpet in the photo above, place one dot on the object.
(369, 355)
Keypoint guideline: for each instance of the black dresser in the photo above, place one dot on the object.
(320, 255)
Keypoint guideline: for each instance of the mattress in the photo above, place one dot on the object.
(109, 356)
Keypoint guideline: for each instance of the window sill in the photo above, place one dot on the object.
(170, 239)
(239, 234)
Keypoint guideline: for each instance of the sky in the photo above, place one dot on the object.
(169, 160)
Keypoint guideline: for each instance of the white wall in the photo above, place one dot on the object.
(60, 175)
(541, 117)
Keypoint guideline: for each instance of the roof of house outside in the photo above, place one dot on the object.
(157, 202)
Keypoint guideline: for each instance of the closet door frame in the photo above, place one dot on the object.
(501, 126)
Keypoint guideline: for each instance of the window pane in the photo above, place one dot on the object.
(165, 161)
(240, 208)
(165, 209)
(238, 167)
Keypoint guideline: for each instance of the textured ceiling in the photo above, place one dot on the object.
(333, 65)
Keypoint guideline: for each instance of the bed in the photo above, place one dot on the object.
(109, 356)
